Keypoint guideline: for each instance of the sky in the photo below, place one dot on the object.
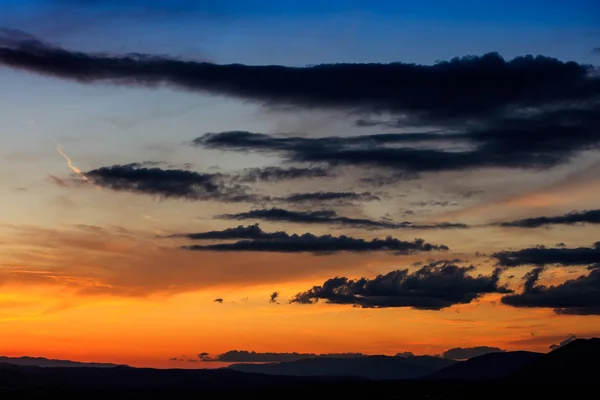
(186, 177)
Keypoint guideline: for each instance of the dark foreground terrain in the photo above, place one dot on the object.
(373, 367)
(570, 371)
(407, 390)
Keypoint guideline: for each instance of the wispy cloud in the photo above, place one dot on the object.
(256, 240)
(574, 217)
(542, 256)
(330, 217)
(279, 174)
(111, 262)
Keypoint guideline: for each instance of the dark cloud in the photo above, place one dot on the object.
(278, 174)
(369, 123)
(144, 178)
(580, 296)
(535, 139)
(528, 112)
(596, 50)
(563, 343)
(460, 353)
(218, 300)
(282, 242)
(249, 141)
(432, 287)
(252, 356)
(542, 256)
(530, 279)
(144, 164)
(459, 88)
(255, 239)
(329, 196)
(388, 178)
(253, 232)
(274, 297)
(245, 356)
(308, 149)
(437, 263)
(183, 359)
(575, 217)
(330, 217)
(168, 183)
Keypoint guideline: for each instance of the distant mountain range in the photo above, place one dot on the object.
(486, 367)
(575, 363)
(516, 366)
(372, 367)
(47, 362)
(501, 374)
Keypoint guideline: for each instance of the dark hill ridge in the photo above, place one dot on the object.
(574, 363)
(371, 367)
(118, 378)
(48, 362)
(486, 367)
(27, 382)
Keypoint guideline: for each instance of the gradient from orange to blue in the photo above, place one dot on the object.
(83, 275)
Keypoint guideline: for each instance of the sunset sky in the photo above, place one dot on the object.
(159, 172)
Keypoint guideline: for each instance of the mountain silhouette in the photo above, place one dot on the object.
(486, 367)
(48, 362)
(371, 367)
(122, 377)
(573, 363)
(121, 382)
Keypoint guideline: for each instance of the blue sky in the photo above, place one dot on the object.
(293, 32)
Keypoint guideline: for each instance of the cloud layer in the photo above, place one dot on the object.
(574, 217)
(432, 287)
(253, 356)
(330, 217)
(536, 139)
(255, 239)
(278, 174)
(457, 88)
(329, 196)
(487, 112)
(563, 343)
(167, 183)
(579, 296)
(190, 185)
(542, 256)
